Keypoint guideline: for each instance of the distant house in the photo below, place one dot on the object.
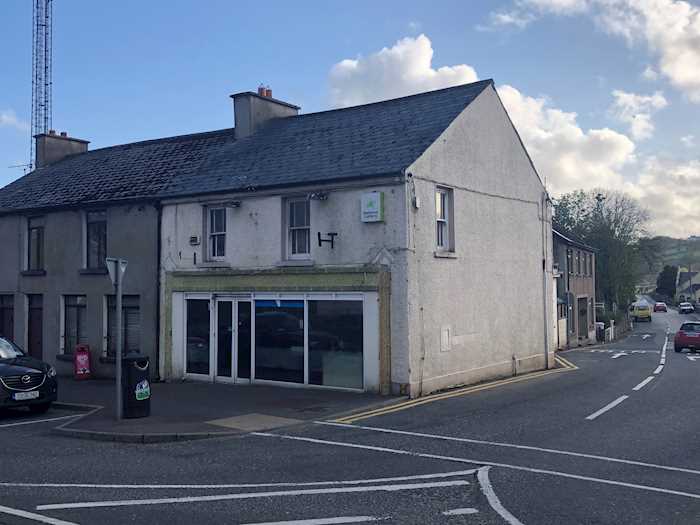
(687, 285)
(403, 246)
(575, 262)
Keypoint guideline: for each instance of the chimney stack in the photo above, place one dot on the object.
(253, 110)
(51, 148)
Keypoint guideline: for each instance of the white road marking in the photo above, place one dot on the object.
(646, 336)
(512, 445)
(486, 487)
(643, 383)
(34, 421)
(324, 521)
(252, 495)
(662, 361)
(32, 516)
(460, 512)
(693, 357)
(606, 408)
(487, 463)
(241, 485)
(659, 369)
(619, 354)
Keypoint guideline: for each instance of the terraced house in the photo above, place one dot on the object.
(375, 248)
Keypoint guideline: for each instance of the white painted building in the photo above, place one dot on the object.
(402, 246)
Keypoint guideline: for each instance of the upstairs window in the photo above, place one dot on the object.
(578, 262)
(217, 233)
(96, 230)
(570, 261)
(443, 217)
(35, 244)
(299, 229)
(590, 264)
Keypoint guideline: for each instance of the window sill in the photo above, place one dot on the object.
(214, 264)
(296, 262)
(64, 357)
(93, 271)
(444, 255)
(33, 273)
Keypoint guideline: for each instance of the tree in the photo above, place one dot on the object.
(666, 281)
(612, 222)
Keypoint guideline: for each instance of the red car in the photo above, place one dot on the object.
(687, 337)
(660, 307)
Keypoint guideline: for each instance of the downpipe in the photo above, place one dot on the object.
(545, 299)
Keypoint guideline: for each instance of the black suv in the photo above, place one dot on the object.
(25, 381)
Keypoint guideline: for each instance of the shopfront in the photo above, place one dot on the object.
(328, 339)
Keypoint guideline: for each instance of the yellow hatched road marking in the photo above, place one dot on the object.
(566, 366)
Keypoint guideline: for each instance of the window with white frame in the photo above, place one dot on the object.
(443, 218)
(298, 229)
(217, 233)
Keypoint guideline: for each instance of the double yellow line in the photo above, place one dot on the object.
(565, 364)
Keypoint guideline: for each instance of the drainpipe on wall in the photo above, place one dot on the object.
(159, 210)
(545, 200)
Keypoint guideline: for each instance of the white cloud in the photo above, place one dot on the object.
(414, 26)
(688, 141)
(566, 155)
(669, 28)
(404, 69)
(8, 118)
(650, 73)
(636, 111)
(664, 187)
(514, 18)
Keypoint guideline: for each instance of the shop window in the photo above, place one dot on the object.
(335, 343)
(131, 324)
(279, 340)
(197, 353)
(96, 229)
(75, 322)
(217, 233)
(35, 243)
(7, 316)
(443, 217)
(298, 229)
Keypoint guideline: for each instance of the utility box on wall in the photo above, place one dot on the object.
(372, 207)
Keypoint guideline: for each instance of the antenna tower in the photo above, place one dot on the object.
(41, 72)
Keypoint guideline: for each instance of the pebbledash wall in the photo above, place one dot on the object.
(367, 263)
(437, 319)
(132, 233)
(485, 310)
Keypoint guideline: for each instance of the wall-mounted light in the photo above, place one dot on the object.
(318, 196)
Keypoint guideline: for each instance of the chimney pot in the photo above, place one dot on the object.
(261, 90)
(64, 133)
(268, 92)
(52, 132)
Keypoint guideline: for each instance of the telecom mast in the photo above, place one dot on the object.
(41, 72)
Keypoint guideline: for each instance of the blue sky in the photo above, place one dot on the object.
(132, 70)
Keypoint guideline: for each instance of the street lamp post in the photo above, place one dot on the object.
(116, 269)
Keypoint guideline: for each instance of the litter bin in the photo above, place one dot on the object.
(136, 388)
(600, 331)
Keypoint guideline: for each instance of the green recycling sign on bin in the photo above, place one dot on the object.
(143, 390)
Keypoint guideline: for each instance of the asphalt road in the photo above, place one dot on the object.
(603, 444)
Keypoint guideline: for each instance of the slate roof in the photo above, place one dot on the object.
(376, 139)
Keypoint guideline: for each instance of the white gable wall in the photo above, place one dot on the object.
(480, 314)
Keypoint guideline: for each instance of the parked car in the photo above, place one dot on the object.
(688, 336)
(642, 312)
(686, 308)
(25, 381)
(660, 307)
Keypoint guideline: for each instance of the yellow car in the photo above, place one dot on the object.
(641, 312)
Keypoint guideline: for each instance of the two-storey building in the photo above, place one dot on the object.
(575, 263)
(360, 248)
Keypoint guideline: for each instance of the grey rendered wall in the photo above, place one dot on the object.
(480, 314)
(132, 233)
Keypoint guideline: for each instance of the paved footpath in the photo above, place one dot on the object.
(612, 442)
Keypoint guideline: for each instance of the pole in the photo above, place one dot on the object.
(118, 286)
